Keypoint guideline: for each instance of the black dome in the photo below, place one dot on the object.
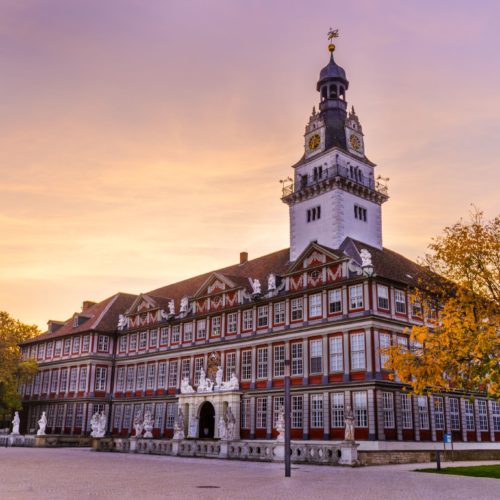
(332, 70)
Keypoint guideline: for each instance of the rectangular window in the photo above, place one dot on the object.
(262, 316)
(314, 213)
(123, 343)
(297, 412)
(315, 309)
(454, 414)
(41, 351)
(76, 345)
(246, 365)
(360, 213)
(45, 382)
(438, 413)
(469, 415)
(159, 414)
(82, 383)
(278, 404)
(388, 404)
(185, 369)
(338, 410)
(51, 415)
(358, 359)
(69, 415)
(482, 415)
(130, 378)
(406, 413)
(133, 342)
(73, 376)
(171, 414)
(139, 383)
(216, 326)
(335, 301)
(245, 414)
(153, 338)
(356, 297)
(188, 332)
(383, 297)
(201, 329)
(262, 362)
(143, 340)
(100, 378)
(120, 379)
(86, 343)
(495, 413)
(36, 384)
(164, 336)
(127, 416)
(279, 361)
(297, 309)
(360, 409)
(400, 299)
(279, 313)
(232, 322)
(261, 417)
(103, 343)
(55, 381)
(50, 346)
(316, 356)
(423, 413)
(336, 354)
(176, 334)
(297, 363)
(117, 417)
(162, 374)
(385, 342)
(79, 416)
(63, 383)
(67, 346)
(59, 415)
(230, 367)
(248, 319)
(172, 374)
(316, 411)
(198, 365)
(58, 347)
(150, 381)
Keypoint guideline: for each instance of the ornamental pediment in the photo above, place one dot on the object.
(215, 284)
(142, 304)
(315, 255)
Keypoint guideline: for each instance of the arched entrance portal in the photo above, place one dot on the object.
(207, 420)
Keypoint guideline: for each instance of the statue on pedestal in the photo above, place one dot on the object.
(222, 428)
(218, 378)
(148, 425)
(205, 384)
(257, 289)
(280, 424)
(171, 308)
(179, 425)
(138, 424)
(15, 424)
(231, 424)
(232, 384)
(186, 387)
(349, 424)
(98, 424)
(102, 424)
(42, 423)
(184, 305)
(122, 322)
(271, 283)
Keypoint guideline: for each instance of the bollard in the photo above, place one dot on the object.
(438, 459)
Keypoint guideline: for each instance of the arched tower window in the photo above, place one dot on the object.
(333, 91)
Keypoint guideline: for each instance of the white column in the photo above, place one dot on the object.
(490, 420)
(325, 359)
(254, 366)
(305, 361)
(464, 424)
(416, 418)
(379, 414)
(252, 417)
(432, 419)
(368, 353)
(326, 415)
(347, 361)
(371, 414)
(398, 416)
(269, 417)
(306, 415)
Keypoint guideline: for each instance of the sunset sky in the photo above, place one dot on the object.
(141, 142)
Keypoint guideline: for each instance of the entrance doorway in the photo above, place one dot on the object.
(207, 421)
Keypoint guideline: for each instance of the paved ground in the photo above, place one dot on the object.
(81, 473)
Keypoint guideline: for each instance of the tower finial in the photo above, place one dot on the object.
(331, 35)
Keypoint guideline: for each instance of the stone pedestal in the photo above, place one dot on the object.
(348, 453)
(175, 447)
(224, 449)
(279, 451)
(133, 444)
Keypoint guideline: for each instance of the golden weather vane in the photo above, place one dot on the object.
(331, 35)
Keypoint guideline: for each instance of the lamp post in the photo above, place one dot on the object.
(287, 419)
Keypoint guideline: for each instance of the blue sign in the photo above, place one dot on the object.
(447, 438)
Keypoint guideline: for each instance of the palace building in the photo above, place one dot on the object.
(328, 303)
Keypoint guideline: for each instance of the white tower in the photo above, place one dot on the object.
(334, 194)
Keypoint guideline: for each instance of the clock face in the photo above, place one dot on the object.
(355, 142)
(314, 142)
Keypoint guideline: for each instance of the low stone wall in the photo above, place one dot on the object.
(387, 457)
(62, 441)
(10, 440)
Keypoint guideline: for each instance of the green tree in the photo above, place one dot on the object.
(13, 370)
(462, 349)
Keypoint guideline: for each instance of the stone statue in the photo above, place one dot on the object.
(184, 305)
(232, 384)
(98, 424)
(163, 314)
(122, 322)
(138, 424)
(179, 425)
(349, 424)
(171, 308)
(15, 423)
(148, 425)
(42, 423)
(230, 423)
(193, 427)
(218, 378)
(366, 258)
(256, 287)
(103, 421)
(280, 424)
(271, 283)
(222, 428)
(186, 387)
(205, 384)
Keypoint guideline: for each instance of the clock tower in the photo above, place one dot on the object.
(334, 193)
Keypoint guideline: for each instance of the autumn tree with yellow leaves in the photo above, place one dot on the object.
(13, 370)
(461, 351)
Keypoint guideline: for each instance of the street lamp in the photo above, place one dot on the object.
(287, 419)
